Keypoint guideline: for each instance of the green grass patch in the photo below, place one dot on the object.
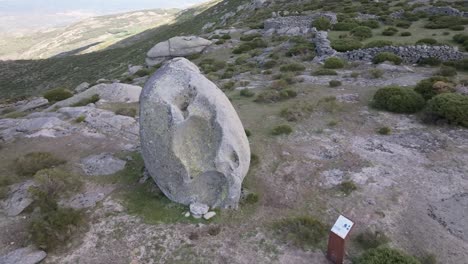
(86, 101)
(304, 232)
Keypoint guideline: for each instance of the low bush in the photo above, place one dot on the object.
(269, 64)
(251, 45)
(248, 133)
(334, 63)
(361, 32)
(304, 232)
(370, 23)
(376, 73)
(142, 72)
(371, 239)
(33, 162)
(229, 85)
(322, 23)
(438, 22)
(403, 24)
(345, 26)
(246, 93)
(457, 28)
(384, 131)
(447, 71)
(126, 111)
(250, 37)
(405, 34)
(211, 65)
(226, 36)
(343, 45)
(451, 107)
(80, 119)
(282, 130)
(58, 94)
(86, 101)
(431, 61)
(459, 65)
(347, 187)
(398, 99)
(334, 83)
(301, 49)
(426, 87)
(385, 256)
(390, 31)
(250, 198)
(321, 72)
(272, 96)
(292, 67)
(378, 43)
(387, 56)
(426, 41)
(297, 111)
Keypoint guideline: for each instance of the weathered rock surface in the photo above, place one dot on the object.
(26, 255)
(112, 92)
(102, 164)
(82, 87)
(295, 25)
(451, 214)
(25, 105)
(19, 198)
(199, 209)
(193, 142)
(176, 47)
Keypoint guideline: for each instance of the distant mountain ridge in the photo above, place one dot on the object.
(89, 35)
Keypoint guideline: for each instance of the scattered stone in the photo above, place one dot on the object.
(348, 98)
(134, 69)
(209, 215)
(193, 142)
(198, 209)
(187, 214)
(27, 255)
(19, 198)
(102, 164)
(82, 87)
(176, 47)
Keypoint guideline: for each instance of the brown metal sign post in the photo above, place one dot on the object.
(337, 238)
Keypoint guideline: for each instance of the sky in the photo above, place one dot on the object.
(25, 15)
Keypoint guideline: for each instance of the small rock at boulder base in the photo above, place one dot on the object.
(193, 142)
(209, 215)
(176, 47)
(102, 164)
(26, 255)
(199, 209)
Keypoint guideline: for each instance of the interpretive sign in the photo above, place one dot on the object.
(337, 238)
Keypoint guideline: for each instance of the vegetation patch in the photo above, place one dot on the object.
(282, 130)
(378, 44)
(126, 111)
(33, 162)
(304, 232)
(321, 72)
(347, 187)
(384, 131)
(362, 32)
(387, 56)
(334, 83)
(334, 63)
(86, 101)
(398, 99)
(427, 89)
(386, 256)
(344, 45)
(292, 67)
(451, 107)
(58, 94)
(371, 239)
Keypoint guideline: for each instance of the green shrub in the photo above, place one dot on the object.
(426, 87)
(426, 41)
(292, 67)
(142, 72)
(451, 107)
(390, 31)
(304, 232)
(457, 28)
(301, 49)
(447, 71)
(321, 72)
(398, 99)
(384, 131)
(229, 85)
(226, 36)
(58, 94)
(369, 239)
(251, 198)
(269, 64)
(247, 132)
(431, 61)
(211, 65)
(322, 23)
(459, 65)
(272, 96)
(80, 119)
(127, 79)
(297, 111)
(250, 37)
(385, 256)
(86, 101)
(334, 63)
(403, 24)
(376, 73)
(387, 56)
(126, 111)
(246, 93)
(33, 162)
(343, 45)
(405, 34)
(345, 26)
(220, 42)
(334, 83)
(378, 43)
(460, 38)
(347, 187)
(254, 160)
(437, 22)
(362, 32)
(370, 23)
(248, 46)
(282, 130)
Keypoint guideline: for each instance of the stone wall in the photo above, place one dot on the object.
(433, 10)
(409, 54)
(295, 25)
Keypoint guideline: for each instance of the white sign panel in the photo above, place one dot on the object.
(342, 226)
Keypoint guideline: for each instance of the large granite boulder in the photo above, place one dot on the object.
(192, 140)
(176, 47)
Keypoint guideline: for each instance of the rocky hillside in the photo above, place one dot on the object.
(90, 35)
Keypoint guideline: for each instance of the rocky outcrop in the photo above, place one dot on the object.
(26, 255)
(109, 92)
(323, 47)
(19, 198)
(102, 164)
(24, 105)
(409, 54)
(192, 140)
(176, 47)
(433, 11)
(82, 87)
